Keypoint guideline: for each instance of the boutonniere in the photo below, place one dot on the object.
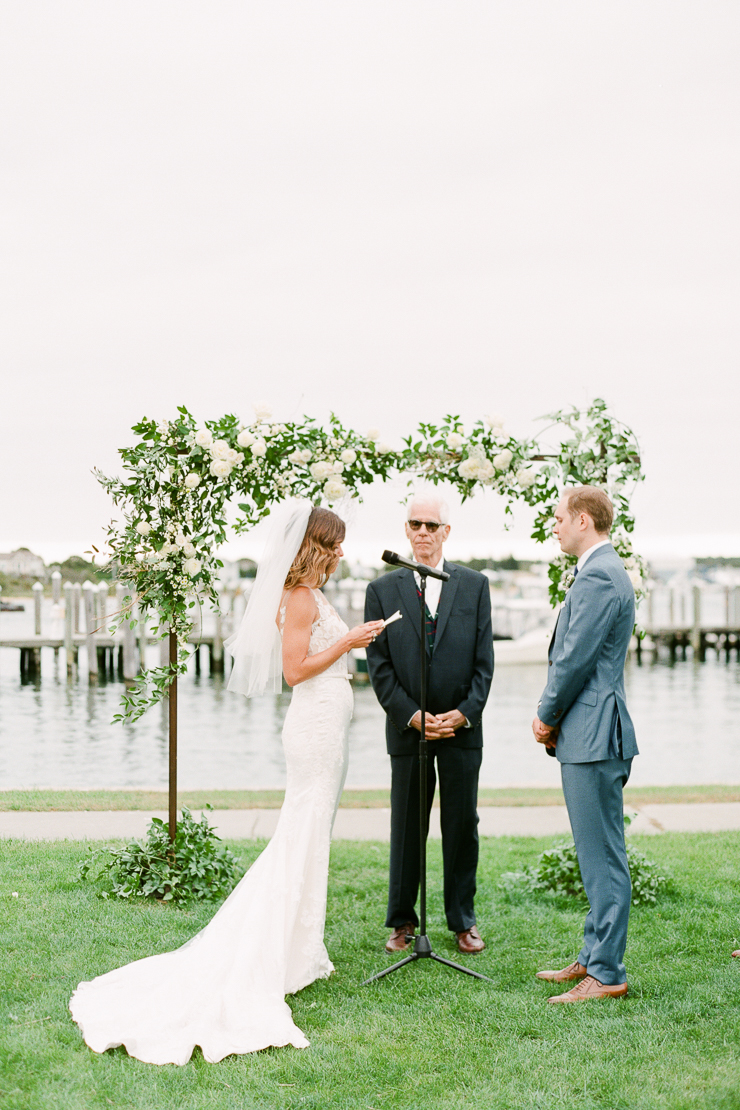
(569, 580)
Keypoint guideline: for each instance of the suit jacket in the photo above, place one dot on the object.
(460, 667)
(585, 687)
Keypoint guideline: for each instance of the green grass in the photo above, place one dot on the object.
(40, 800)
(425, 1038)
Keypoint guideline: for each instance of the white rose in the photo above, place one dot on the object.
(234, 457)
(181, 539)
(188, 549)
(338, 467)
(526, 479)
(268, 431)
(635, 578)
(192, 480)
(220, 449)
(372, 434)
(170, 548)
(306, 455)
(502, 461)
(143, 527)
(468, 468)
(204, 438)
(220, 468)
(191, 567)
(494, 421)
(245, 438)
(454, 441)
(259, 448)
(153, 556)
(283, 429)
(262, 412)
(320, 470)
(334, 489)
(296, 457)
(349, 456)
(384, 449)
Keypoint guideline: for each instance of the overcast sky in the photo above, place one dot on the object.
(393, 210)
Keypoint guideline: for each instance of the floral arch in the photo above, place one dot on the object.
(179, 478)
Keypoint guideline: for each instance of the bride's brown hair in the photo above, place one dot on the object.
(316, 554)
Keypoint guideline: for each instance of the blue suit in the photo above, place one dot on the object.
(584, 699)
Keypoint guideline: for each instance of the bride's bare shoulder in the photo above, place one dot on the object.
(300, 604)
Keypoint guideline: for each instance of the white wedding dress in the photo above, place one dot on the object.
(225, 989)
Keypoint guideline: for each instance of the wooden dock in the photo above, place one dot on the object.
(675, 623)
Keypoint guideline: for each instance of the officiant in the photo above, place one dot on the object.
(460, 655)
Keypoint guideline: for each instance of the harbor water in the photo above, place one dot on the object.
(57, 733)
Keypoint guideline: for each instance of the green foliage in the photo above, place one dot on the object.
(179, 479)
(557, 870)
(196, 866)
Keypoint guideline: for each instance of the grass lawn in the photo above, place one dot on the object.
(40, 800)
(424, 1039)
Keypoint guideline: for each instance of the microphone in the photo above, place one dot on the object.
(420, 568)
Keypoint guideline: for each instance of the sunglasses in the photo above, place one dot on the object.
(431, 525)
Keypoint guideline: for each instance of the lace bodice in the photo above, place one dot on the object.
(325, 631)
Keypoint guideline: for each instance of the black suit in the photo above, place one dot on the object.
(460, 673)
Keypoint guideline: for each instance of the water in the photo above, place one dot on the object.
(59, 734)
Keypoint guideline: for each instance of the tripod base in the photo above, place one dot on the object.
(423, 951)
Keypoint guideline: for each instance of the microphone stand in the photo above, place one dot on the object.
(422, 944)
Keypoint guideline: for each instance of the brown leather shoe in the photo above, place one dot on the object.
(590, 988)
(572, 971)
(736, 953)
(401, 938)
(470, 940)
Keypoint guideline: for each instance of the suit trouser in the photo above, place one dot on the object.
(593, 795)
(458, 789)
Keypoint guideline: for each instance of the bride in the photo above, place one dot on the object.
(225, 988)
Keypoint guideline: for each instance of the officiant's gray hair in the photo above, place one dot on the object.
(430, 496)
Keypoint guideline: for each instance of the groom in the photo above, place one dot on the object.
(460, 654)
(582, 718)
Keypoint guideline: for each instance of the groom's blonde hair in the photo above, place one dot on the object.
(591, 500)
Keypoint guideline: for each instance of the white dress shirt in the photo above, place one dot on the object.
(434, 588)
(587, 554)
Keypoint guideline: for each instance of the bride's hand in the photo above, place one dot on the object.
(364, 634)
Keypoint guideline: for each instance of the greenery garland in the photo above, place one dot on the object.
(180, 478)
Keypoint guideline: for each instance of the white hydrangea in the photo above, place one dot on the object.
(526, 479)
(220, 468)
(455, 441)
(321, 470)
(372, 434)
(334, 489)
(262, 412)
(245, 438)
(468, 469)
(192, 567)
(349, 456)
(192, 480)
(143, 527)
(384, 449)
(503, 460)
(163, 427)
(494, 421)
(204, 438)
(486, 471)
(259, 448)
